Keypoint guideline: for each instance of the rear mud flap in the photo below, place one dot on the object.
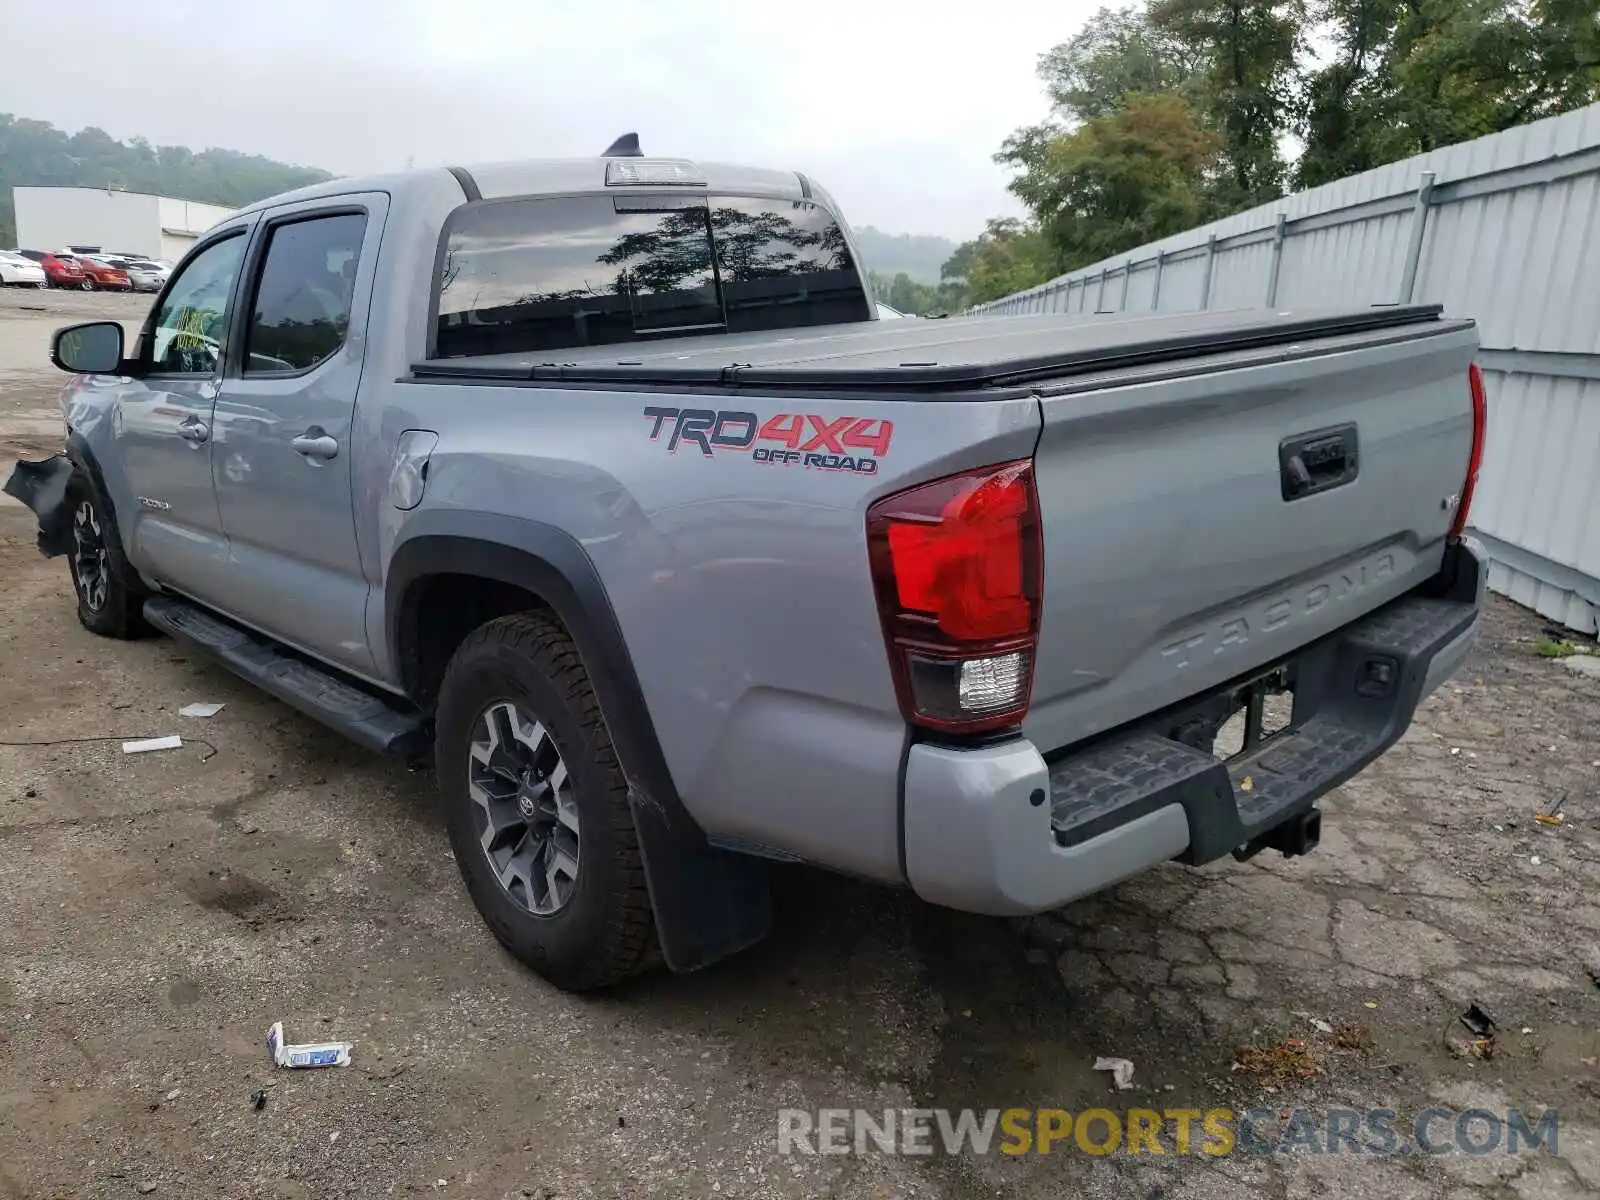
(42, 486)
(709, 903)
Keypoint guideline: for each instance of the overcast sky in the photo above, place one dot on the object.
(895, 106)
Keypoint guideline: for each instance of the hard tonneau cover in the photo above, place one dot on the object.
(935, 356)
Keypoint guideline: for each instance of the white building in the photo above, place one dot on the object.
(115, 222)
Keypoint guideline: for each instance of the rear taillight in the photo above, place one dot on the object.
(956, 566)
(1480, 419)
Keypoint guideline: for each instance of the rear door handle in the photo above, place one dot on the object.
(315, 443)
(193, 430)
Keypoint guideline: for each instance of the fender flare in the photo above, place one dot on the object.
(709, 903)
(85, 463)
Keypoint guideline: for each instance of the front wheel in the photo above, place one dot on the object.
(87, 285)
(110, 599)
(537, 806)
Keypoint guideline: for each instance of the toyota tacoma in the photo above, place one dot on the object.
(601, 482)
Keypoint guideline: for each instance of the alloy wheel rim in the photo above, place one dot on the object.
(90, 568)
(525, 814)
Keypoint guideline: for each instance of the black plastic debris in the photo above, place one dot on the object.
(258, 1099)
(42, 486)
(1478, 1021)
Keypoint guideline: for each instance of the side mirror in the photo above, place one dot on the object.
(94, 348)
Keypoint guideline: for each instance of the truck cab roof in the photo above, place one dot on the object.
(560, 176)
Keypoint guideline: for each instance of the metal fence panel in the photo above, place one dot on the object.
(1504, 229)
(1141, 286)
(1355, 258)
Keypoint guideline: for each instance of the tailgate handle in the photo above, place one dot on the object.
(1318, 461)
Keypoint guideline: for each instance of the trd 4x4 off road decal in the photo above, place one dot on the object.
(792, 439)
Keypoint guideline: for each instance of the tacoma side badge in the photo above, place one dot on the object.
(410, 473)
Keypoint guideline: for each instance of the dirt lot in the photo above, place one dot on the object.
(160, 911)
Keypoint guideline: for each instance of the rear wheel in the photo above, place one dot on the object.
(110, 598)
(537, 806)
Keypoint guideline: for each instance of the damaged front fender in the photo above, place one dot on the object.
(42, 486)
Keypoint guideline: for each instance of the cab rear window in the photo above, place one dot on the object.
(551, 273)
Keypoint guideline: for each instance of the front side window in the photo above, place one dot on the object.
(191, 327)
(301, 312)
(532, 275)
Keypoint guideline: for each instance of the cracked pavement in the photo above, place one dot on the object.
(161, 911)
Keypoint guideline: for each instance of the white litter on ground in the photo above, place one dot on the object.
(200, 708)
(145, 745)
(1121, 1071)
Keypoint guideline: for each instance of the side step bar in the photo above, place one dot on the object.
(315, 690)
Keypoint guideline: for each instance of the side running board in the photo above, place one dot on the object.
(360, 715)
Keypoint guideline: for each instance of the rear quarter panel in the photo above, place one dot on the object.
(741, 587)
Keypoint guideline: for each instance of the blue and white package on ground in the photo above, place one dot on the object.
(317, 1054)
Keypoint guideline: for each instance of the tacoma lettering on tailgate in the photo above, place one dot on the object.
(797, 439)
(1274, 612)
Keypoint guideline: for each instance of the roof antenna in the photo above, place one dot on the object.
(626, 146)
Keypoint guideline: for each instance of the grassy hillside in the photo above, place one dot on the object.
(918, 255)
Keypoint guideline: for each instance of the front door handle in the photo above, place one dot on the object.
(315, 443)
(193, 430)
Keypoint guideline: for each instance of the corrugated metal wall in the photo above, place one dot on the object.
(1505, 229)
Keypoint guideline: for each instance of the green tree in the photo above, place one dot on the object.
(1249, 53)
(1179, 111)
(1134, 175)
(1460, 69)
(1567, 47)
(1413, 75)
(1117, 53)
(1344, 102)
(1008, 256)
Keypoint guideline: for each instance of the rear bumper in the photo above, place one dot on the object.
(1000, 830)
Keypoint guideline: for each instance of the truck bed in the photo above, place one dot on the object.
(956, 356)
(1175, 556)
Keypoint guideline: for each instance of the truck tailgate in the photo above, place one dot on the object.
(1205, 518)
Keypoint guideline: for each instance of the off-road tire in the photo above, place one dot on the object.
(117, 611)
(605, 931)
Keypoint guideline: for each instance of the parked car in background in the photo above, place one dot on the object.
(144, 276)
(59, 272)
(18, 271)
(103, 275)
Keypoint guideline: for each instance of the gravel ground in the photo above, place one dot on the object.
(160, 911)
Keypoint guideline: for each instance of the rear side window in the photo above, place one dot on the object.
(302, 304)
(784, 265)
(552, 273)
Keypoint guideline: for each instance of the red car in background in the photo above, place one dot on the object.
(101, 275)
(60, 272)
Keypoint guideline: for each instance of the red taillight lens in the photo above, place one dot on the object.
(956, 564)
(1480, 420)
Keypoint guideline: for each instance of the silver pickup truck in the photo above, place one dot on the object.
(601, 480)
